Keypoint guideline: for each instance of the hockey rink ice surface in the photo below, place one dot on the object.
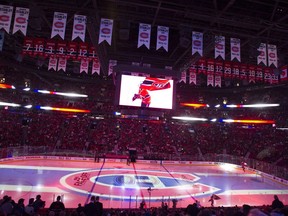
(124, 186)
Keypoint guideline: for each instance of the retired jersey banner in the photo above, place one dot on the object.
(92, 53)
(162, 37)
(202, 66)
(112, 63)
(220, 47)
(106, 29)
(61, 49)
(2, 36)
(79, 27)
(251, 73)
(218, 80)
(62, 62)
(283, 75)
(192, 77)
(218, 68)
(235, 70)
(193, 68)
(210, 66)
(52, 63)
(50, 48)
(27, 48)
(82, 50)
(227, 69)
(72, 50)
(274, 78)
(197, 43)
(267, 75)
(262, 57)
(235, 49)
(96, 66)
(243, 71)
(6, 17)
(21, 20)
(84, 65)
(183, 76)
(39, 44)
(59, 24)
(259, 74)
(210, 80)
(272, 55)
(144, 35)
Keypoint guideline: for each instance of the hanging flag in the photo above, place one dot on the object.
(192, 77)
(82, 50)
(227, 69)
(72, 50)
(62, 62)
(272, 55)
(210, 80)
(183, 76)
(259, 74)
(202, 66)
(218, 81)
(6, 17)
(52, 63)
(262, 57)
(274, 78)
(218, 68)
(79, 27)
(267, 75)
(235, 49)
(39, 46)
(84, 65)
(162, 37)
(243, 71)
(95, 66)
(21, 20)
(112, 63)
(251, 73)
(61, 49)
(283, 75)
(59, 24)
(27, 48)
(235, 70)
(210, 66)
(197, 43)
(106, 29)
(220, 47)
(50, 48)
(144, 35)
(2, 35)
(92, 53)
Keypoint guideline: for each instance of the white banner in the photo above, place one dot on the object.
(183, 76)
(96, 66)
(218, 81)
(59, 24)
(272, 55)
(106, 29)
(112, 63)
(262, 57)
(6, 17)
(21, 20)
(79, 27)
(62, 62)
(192, 78)
(235, 49)
(144, 35)
(84, 65)
(220, 47)
(283, 75)
(210, 79)
(52, 63)
(162, 37)
(197, 43)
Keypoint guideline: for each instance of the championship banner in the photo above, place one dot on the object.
(162, 37)
(72, 50)
(267, 75)
(106, 29)
(210, 80)
(262, 57)
(272, 55)
(27, 48)
(95, 66)
(218, 81)
(197, 43)
(259, 74)
(2, 36)
(202, 66)
(62, 62)
(220, 47)
(61, 49)
(21, 20)
(112, 63)
(50, 48)
(235, 49)
(283, 75)
(235, 70)
(6, 17)
(59, 24)
(144, 35)
(210, 66)
(79, 27)
(251, 73)
(84, 65)
(218, 68)
(82, 50)
(39, 44)
(192, 77)
(183, 76)
(243, 71)
(92, 53)
(52, 63)
(227, 69)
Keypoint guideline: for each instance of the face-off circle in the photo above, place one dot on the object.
(126, 184)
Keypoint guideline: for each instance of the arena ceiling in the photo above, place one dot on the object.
(253, 21)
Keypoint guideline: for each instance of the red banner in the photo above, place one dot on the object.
(193, 68)
(50, 48)
(202, 66)
(218, 68)
(92, 53)
(27, 48)
(235, 70)
(227, 69)
(39, 44)
(210, 66)
(83, 51)
(267, 75)
(259, 73)
(251, 73)
(243, 71)
(72, 50)
(61, 49)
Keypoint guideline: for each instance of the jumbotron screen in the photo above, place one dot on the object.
(146, 92)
